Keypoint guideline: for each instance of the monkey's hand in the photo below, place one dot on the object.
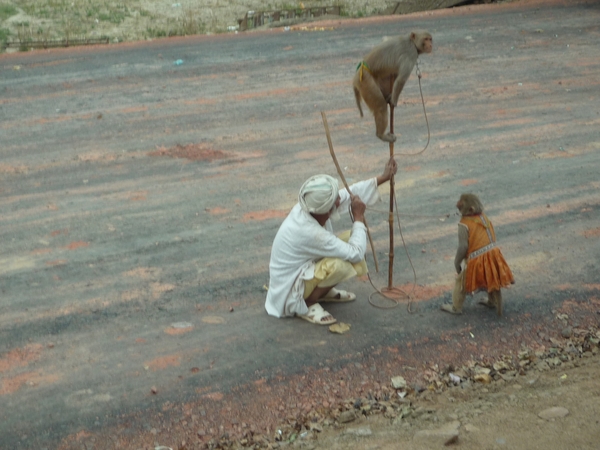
(358, 209)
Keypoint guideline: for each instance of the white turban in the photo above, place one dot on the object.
(318, 194)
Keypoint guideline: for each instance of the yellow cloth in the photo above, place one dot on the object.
(331, 271)
(361, 66)
(486, 271)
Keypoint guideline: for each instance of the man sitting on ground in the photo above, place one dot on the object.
(308, 260)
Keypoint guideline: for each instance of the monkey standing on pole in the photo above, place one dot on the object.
(381, 76)
(486, 268)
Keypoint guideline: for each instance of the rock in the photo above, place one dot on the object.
(501, 365)
(471, 428)
(482, 370)
(556, 412)
(347, 416)
(398, 382)
(446, 435)
(567, 332)
(483, 378)
(362, 431)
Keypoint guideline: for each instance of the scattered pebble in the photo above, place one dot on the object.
(556, 412)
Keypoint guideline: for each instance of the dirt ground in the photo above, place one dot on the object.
(142, 185)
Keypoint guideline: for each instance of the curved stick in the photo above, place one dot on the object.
(339, 170)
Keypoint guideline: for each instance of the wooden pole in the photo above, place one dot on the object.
(391, 218)
(341, 174)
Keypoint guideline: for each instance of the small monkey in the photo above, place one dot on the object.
(381, 76)
(486, 268)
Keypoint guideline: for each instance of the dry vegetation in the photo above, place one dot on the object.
(27, 21)
(39, 20)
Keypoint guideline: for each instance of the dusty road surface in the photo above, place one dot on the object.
(142, 185)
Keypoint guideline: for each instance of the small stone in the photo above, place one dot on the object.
(556, 412)
(483, 378)
(501, 365)
(154, 390)
(398, 382)
(567, 332)
(471, 428)
(363, 431)
(347, 416)
(446, 435)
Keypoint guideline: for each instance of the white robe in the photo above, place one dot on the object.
(301, 241)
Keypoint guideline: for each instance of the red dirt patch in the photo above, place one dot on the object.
(40, 251)
(217, 210)
(469, 182)
(215, 396)
(20, 357)
(11, 385)
(193, 152)
(138, 196)
(77, 244)
(592, 233)
(143, 272)
(176, 331)
(163, 362)
(440, 174)
(264, 215)
(6, 168)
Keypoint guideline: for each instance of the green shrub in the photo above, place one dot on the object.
(7, 11)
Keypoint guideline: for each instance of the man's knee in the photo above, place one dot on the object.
(332, 271)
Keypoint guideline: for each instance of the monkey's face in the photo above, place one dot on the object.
(427, 44)
(459, 205)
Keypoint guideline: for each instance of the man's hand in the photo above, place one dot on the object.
(358, 208)
(391, 167)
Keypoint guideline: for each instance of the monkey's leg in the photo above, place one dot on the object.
(494, 301)
(381, 124)
(498, 301)
(373, 97)
(458, 296)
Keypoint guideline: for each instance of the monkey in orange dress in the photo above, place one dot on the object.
(486, 268)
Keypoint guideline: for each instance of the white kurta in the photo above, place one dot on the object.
(301, 241)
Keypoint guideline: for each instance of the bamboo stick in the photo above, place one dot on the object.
(341, 174)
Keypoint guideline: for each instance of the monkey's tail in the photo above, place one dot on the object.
(358, 97)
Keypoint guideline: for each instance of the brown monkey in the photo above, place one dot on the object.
(486, 268)
(381, 76)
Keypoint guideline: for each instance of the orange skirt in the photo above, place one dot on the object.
(488, 272)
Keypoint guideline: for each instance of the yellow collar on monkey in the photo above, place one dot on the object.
(362, 65)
